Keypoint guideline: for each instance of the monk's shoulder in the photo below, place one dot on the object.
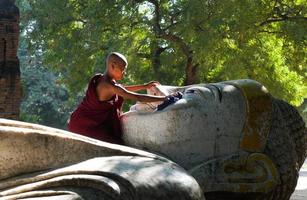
(103, 82)
(104, 89)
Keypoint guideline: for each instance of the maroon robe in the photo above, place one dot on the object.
(97, 119)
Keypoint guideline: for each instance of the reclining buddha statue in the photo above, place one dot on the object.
(227, 140)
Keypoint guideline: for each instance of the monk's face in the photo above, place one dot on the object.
(119, 69)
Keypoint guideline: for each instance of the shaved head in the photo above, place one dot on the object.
(117, 57)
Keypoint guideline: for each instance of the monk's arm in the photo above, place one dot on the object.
(122, 91)
(135, 88)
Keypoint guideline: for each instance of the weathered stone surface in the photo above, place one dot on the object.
(37, 161)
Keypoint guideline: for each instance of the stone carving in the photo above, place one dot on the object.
(233, 137)
(38, 162)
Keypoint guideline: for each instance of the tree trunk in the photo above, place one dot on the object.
(156, 60)
(191, 71)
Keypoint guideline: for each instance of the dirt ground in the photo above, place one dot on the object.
(301, 188)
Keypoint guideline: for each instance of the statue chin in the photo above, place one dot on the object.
(224, 134)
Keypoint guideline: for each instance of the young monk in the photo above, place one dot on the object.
(97, 116)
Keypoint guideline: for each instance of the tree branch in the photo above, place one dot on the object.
(168, 36)
(284, 18)
(282, 12)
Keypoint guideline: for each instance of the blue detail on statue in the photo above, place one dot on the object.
(170, 100)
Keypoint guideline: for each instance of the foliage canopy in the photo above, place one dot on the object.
(176, 42)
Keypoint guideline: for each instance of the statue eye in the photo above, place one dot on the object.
(190, 92)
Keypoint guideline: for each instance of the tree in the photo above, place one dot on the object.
(45, 99)
(176, 42)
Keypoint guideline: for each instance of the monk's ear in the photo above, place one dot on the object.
(112, 65)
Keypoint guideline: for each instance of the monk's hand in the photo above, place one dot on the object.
(176, 94)
(151, 84)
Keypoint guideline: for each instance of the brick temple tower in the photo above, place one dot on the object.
(10, 87)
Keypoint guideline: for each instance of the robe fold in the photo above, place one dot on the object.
(97, 119)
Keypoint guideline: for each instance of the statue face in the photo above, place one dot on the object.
(206, 123)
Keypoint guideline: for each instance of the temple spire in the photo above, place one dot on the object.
(10, 88)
